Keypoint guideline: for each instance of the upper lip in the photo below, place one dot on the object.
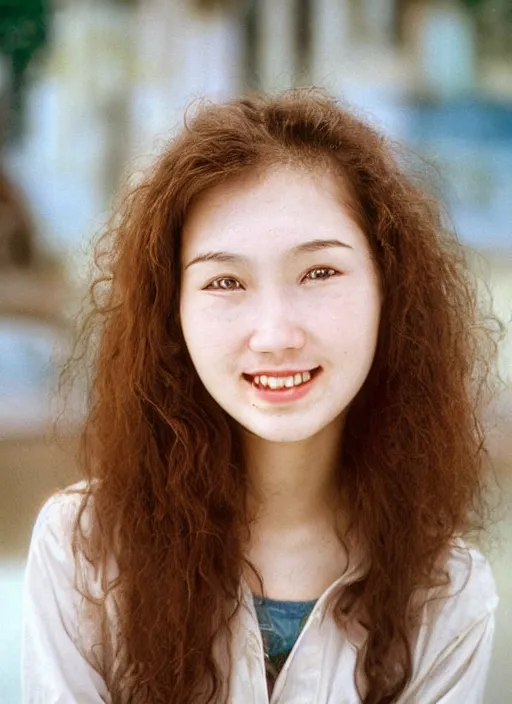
(280, 372)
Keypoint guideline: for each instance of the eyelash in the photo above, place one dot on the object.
(229, 278)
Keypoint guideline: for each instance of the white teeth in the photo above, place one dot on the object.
(279, 382)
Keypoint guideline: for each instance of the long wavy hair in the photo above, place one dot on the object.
(164, 464)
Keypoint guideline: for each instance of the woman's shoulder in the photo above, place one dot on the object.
(454, 641)
(471, 576)
(468, 592)
(53, 546)
(58, 514)
(61, 629)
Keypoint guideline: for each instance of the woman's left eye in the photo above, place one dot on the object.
(321, 273)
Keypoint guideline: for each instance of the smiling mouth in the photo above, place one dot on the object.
(282, 383)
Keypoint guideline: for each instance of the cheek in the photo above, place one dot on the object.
(355, 315)
(206, 334)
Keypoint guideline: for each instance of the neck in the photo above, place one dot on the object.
(293, 484)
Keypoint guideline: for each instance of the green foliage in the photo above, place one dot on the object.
(472, 3)
(23, 27)
(23, 31)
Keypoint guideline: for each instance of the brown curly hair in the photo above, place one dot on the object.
(164, 461)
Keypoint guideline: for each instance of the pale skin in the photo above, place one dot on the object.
(262, 308)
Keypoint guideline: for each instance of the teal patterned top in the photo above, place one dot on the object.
(280, 624)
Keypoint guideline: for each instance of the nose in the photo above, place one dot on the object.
(276, 327)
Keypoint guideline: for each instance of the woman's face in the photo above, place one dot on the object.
(277, 280)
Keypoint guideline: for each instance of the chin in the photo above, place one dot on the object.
(286, 432)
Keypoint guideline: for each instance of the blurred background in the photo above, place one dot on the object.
(89, 92)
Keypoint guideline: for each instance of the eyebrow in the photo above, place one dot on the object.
(231, 258)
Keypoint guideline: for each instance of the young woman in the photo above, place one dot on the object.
(282, 456)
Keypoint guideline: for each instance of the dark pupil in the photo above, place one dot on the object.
(320, 273)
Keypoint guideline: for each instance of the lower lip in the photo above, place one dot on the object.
(284, 395)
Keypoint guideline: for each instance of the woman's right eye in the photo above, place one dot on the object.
(224, 283)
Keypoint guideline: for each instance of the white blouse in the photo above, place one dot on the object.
(450, 659)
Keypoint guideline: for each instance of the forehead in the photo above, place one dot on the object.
(283, 204)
